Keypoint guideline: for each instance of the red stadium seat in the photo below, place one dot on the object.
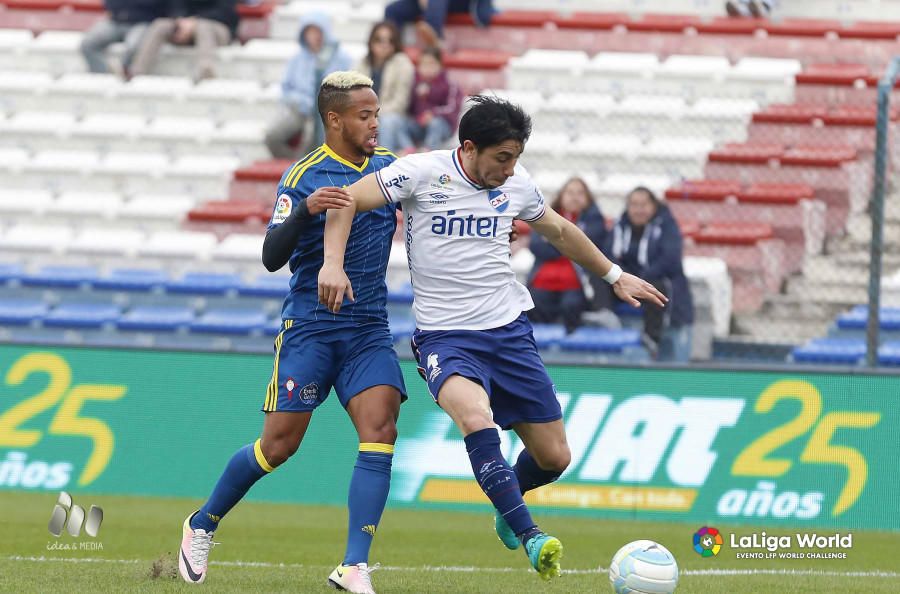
(871, 30)
(797, 113)
(833, 74)
(230, 211)
(855, 115)
(688, 228)
(267, 171)
(664, 23)
(739, 233)
(509, 18)
(803, 27)
(731, 26)
(776, 193)
(601, 21)
(746, 153)
(258, 11)
(819, 156)
(704, 189)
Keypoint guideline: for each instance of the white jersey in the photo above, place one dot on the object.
(457, 240)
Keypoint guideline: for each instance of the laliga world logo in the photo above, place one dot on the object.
(707, 542)
(65, 513)
(444, 179)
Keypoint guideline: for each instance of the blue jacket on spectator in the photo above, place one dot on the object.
(136, 11)
(223, 11)
(306, 69)
(657, 259)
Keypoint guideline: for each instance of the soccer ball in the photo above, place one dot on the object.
(643, 567)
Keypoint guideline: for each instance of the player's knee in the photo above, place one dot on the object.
(555, 461)
(277, 451)
(385, 432)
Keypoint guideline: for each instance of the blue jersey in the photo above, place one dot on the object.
(368, 247)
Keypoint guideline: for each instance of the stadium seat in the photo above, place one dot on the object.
(10, 271)
(85, 207)
(204, 283)
(56, 52)
(179, 244)
(132, 279)
(272, 286)
(272, 327)
(69, 277)
(547, 70)
(155, 211)
(548, 335)
(402, 329)
(402, 294)
(24, 205)
(21, 312)
(36, 130)
(734, 233)
(156, 318)
(82, 315)
(704, 189)
(830, 351)
(230, 211)
(858, 318)
(244, 247)
(36, 238)
(888, 353)
(600, 340)
(229, 321)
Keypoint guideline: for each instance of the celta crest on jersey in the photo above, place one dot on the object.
(499, 200)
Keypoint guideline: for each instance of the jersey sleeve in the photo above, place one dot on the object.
(534, 203)
(287, 200)
(399, 180)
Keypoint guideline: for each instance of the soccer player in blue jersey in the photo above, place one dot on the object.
(351, 351)
(473, 341)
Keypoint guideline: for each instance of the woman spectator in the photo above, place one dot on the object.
(646, 241)
(434, 106)
(392, 72)
(559, 288)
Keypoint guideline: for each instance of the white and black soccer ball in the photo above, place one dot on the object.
(643, 567)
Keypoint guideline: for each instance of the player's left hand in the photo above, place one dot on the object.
(630, 289)
(333, 284)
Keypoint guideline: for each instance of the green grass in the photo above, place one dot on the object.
(139, 536)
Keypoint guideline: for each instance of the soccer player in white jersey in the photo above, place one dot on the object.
(473, 342)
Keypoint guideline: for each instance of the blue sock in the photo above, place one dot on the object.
(530, 475)
(369, 488)
(497, 479)
(247, 466)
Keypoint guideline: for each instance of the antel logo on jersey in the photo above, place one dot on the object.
(499, 200)
(397, 182)
(470, 226)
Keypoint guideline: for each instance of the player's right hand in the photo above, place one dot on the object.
(326, 198)
(333, 285)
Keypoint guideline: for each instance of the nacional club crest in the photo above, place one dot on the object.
(499, 200)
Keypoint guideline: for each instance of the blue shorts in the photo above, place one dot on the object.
(505, 361)
(349, 359)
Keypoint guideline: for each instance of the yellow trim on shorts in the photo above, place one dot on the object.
(382, 448)
(272, 389)
(260, 459)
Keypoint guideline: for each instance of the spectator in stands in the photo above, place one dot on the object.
(127, 21)
(760, 9)
(560, 289)
(205, 24)
(646, 241)
(392, 72)
(433, 15)
(434, 106)
(320, 54)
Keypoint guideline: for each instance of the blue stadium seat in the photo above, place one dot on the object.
(623, 310)
(82, 315)
(230, 321)
(889, 354)
(600, 340)
(266, 286)
(68, 277)
(831, 351)
(204, 283)
(20, 312)
(10, 271)
(132, 279)
(161, 318)
(402, 329)
(548, 335)
(858, 318)
(401, 294)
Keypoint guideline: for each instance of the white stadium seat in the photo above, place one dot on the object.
(30, 238)
(84, 206)
(547, 71)
(179, 244)
(57, 52)
(245, 247)
(106, 241)
(163, 211)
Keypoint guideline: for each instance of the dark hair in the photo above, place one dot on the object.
(336, 98)
(492, 120)
(649, 193)
(434, 52)
(396, 38)
(555, 205)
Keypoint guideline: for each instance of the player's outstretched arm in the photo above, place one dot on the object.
(365, 195)
(575, 245)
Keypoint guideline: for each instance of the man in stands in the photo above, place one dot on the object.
(432, 14)
(126, 22)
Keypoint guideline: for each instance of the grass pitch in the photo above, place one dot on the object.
(291, 548)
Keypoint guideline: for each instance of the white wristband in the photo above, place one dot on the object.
(613, 275)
